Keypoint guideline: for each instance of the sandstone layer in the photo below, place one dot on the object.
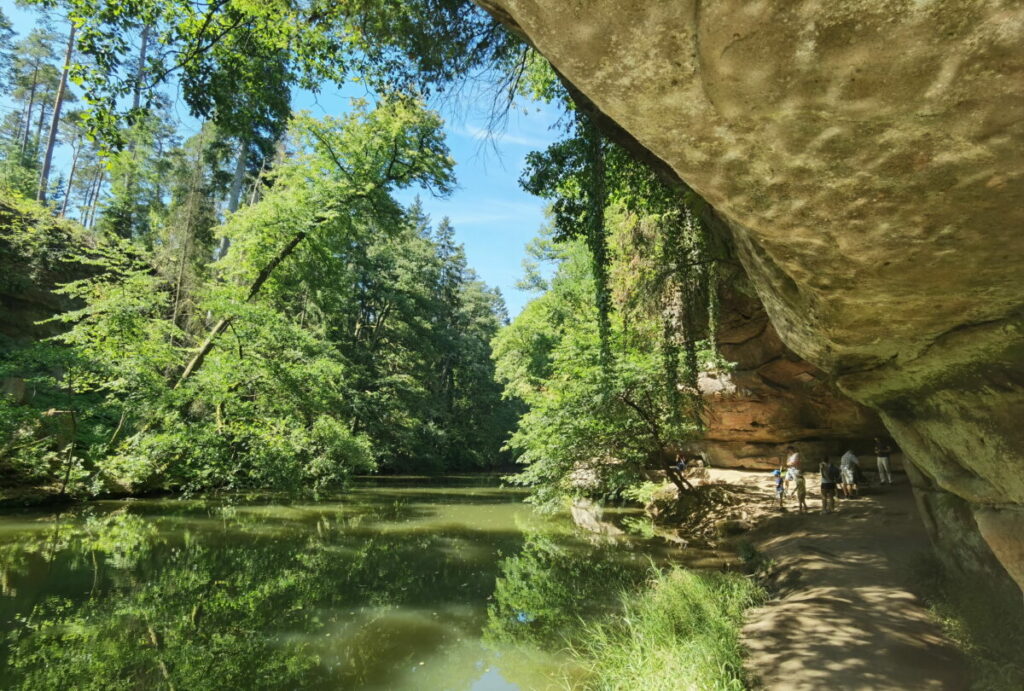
(866, 156)
(772, 398)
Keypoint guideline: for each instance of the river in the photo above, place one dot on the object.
(400, 583)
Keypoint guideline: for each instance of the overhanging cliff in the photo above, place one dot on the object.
(866, 157)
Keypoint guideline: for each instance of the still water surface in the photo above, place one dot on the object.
(401, 583)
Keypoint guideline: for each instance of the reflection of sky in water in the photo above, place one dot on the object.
(387, 587)
(491, 680)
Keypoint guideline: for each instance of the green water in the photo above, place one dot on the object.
(398, 584)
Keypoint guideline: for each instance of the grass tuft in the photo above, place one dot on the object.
(682, 632)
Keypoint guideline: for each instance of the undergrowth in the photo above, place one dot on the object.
(987, 626)
(681, 632)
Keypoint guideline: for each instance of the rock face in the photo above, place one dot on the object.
(773, 398)
(29, 274)
(866, 156)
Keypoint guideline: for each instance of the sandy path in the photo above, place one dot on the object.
(843, 617)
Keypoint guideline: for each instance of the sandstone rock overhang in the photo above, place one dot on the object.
(867, 158)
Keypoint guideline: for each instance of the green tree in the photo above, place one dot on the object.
(137, 175)
(273, 404)
(593, 426)
(6, 53)
(60, 96)
(236, 62)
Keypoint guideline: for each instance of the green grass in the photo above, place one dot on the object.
(681, 632)
(987, 625)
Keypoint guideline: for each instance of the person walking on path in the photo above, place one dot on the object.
(795, 479)
(848, 468)
(882, 453)
(780, 489)
(830, 477)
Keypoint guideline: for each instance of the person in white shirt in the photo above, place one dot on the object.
(882, 453)
(794, 460)
(848, 464)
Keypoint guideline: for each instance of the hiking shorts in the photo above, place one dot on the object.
(828, 489)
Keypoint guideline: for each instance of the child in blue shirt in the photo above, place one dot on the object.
(780, 488)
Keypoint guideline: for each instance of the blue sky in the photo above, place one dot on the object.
(492, 216)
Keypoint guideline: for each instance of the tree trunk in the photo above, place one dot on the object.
(195, 182)
(96, 198)
(234, 195)
(257, 181)
(28, 113)
(254, 290)
(51, 140)
(83, 217)
(39, 127)
(140, 69)
(71, 178)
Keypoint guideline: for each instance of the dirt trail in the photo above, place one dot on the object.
(843, 617)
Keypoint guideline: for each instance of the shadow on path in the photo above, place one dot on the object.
(843, 617)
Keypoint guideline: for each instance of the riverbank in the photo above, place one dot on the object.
(850, 607)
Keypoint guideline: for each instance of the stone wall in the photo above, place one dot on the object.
(866, 157)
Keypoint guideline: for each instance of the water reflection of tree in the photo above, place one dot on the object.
(547, 589)
(196, 608)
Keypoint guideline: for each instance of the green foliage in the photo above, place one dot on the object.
(237, 62)
(547, 589)
(609, 401)
(682, 631)
(6, 56)
(592, 428)
(586, 176)
(337, 335)
(138, 176)
(628, 624)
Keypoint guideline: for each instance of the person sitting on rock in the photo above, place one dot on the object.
(830, 477)
(848, 465)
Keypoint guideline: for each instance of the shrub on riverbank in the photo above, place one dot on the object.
(682, 632)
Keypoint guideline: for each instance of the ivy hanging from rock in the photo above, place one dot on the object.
(585, 175)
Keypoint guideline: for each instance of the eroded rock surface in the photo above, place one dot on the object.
(867, 158)
(773, 398)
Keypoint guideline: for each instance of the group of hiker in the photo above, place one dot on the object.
(846, 478)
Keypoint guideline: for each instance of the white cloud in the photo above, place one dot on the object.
(480, 134)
